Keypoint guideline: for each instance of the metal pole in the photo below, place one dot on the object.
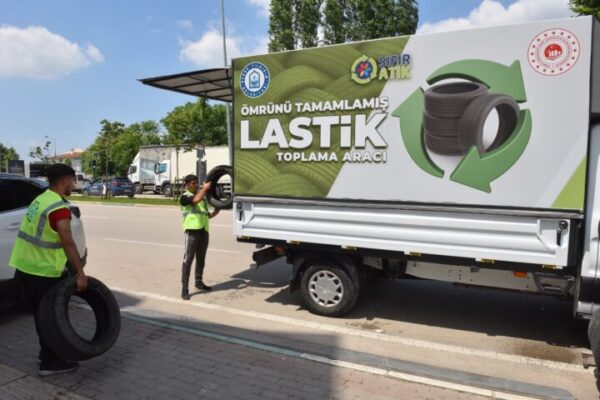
(227, 110)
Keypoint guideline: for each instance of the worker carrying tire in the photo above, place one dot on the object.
(43, 246)
(195, 226)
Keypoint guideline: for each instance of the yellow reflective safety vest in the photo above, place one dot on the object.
(38, 249)
(195, 216)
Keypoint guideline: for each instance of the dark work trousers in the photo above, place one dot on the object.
(35, 287)
(196, 244)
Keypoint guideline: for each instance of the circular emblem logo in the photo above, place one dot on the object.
(553, 52)
(254, 79)
(364, 70)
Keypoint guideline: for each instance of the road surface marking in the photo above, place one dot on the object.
(371, 335)
(130, 313)
(177, 246)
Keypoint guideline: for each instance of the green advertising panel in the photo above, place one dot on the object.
(478, 117)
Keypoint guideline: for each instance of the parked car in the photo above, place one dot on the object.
(16, 193)
(111, 187)
(86, 186)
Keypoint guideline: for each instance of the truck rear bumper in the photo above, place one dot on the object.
(521, 238)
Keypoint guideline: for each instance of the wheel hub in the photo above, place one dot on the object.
(326, 289)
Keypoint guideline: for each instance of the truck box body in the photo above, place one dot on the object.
(330, 144)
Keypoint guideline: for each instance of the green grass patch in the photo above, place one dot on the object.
(127, 200)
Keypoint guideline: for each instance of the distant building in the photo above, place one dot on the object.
(72, 157)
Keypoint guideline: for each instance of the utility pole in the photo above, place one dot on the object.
(54, 141)
(228, 111)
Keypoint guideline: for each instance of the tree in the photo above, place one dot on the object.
(334, 21)
(586, 7)
(307, 22)
(354, 20)
(281, 26)
(7, 154)
(196, 123)
(41, 153)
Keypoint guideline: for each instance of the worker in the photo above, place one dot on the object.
(195, 226)
(43, 246)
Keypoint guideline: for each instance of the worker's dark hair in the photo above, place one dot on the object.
(189, 178)
(56, 171)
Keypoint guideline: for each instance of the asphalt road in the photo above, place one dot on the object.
(137, 251)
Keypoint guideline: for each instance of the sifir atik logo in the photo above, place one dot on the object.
(365, 69)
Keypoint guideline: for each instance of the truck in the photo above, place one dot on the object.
(468, 157)
(141, 169)
(175, 163)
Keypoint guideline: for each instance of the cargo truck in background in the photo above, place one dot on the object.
(467, 157)
(176, 164)
(141, 169)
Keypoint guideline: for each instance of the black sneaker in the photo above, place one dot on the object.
(56, 367)
(202, 286)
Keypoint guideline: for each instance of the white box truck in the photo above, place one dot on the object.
(141, 169)
(174, 166)
(468, 156)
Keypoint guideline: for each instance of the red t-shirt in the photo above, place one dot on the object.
(58, 215)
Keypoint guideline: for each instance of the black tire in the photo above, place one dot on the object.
(213, 196)
(446, 145)
(138, 188)
(168, 191)
(130, 196)
(446, 127)
(346, 297)
(450, 100)
(56, 329)
(473, 121)
(594, 336)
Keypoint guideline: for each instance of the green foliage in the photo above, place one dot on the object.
(372, 19)
(586, 7)
(6, 154)
(196, 123)
(334, 21)
(120, 143)
(341, 20)
(41, 153)
(281, 26)
(307, 22)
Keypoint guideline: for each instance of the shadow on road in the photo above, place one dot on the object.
(490, 311)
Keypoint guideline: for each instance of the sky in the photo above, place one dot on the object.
(66, 64)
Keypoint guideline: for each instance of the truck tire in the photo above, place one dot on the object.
(446, 145)
(56, 329)
(168, 191)
(138, 188)
(213, 196)
(328, 290)
(473, 121)
(449, 100)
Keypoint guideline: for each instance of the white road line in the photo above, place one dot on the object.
(177, 246)
(371, 335)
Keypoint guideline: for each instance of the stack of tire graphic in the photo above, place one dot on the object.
(455, 116)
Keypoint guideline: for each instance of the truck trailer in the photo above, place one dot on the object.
(467, 157)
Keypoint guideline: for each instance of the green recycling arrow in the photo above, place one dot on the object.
(477, 171)
(410, 113)
(497, 77)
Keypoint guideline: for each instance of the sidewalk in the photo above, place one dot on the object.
(157, 362)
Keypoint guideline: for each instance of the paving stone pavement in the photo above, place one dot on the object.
(151, 362)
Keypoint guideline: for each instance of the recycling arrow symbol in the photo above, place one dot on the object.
(475, 170)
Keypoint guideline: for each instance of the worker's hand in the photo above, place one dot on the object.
(82, 282)
(206, 186)
(214, 213)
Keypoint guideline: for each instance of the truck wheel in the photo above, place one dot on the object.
(56, 329)
(328, 290)
(168, 191)
(138, 188)
(215, 196)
